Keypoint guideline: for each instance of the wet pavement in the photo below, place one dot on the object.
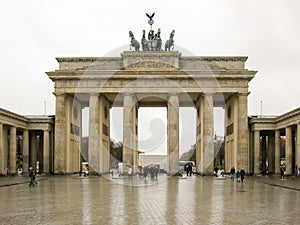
(117, 200)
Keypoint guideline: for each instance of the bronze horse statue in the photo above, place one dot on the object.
(170, 43)
(134, 43)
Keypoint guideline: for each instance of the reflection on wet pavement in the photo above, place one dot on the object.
(195, 200)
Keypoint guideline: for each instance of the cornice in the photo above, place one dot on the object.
(214, 58)
(87, 59)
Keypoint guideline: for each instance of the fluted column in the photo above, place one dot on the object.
(2, 152)
(199, 153)
(46, 151)
(277, 151)
(264, 153)
(12, 150)
(25, 151)
(297, 151)
(256, 151)
(243, 138)
(271, 153)
(94, 142)
(60, 134)
(5, 148)
(33, 149)
(288, 150)
(173, 134)
(129, 105)
(208, 134)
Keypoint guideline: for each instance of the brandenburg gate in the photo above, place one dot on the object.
(149, 78)
(156, 78)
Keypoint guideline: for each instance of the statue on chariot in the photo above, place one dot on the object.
(153, 41)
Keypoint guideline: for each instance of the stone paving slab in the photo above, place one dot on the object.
(167, 200)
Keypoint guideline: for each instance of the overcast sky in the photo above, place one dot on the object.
(34, 33)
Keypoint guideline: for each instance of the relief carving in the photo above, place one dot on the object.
(150, 64)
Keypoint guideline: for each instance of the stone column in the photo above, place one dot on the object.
(208, 134)
(25, 151)
(288, 150)
(2, 152)
(103, 133)
(5, 149)
(199, 153)
(33, 149)
(136, 154)
(271, 154)
(251, 152)
(277, 152)
(128, 129)
(234, 155)
(264, 153)
(1, 148)
(46, 151)
(94, 142)
(243, 148)
(297, 150)
(60, 135)
(173, 134)
(69, 151)
(256, 152)
(12, 150)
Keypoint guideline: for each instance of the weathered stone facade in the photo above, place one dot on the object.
(25, 141)
(141, 79)
(275, 142)
(164, 79)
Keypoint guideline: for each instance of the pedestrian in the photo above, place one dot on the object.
(232, 172)
(187, 169)
(191, 169)
(216, 171)
(242, 174)
(156, 172)
(130, 173)
(32, 177)
(238, 177)
(282, 172)
(145, 172)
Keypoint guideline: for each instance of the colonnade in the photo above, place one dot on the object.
(67, 160)
(274, 148)
(23, 148)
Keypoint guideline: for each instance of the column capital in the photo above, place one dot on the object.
(173, 94)
(57, 94)
(242, 94)
(94, 94)
(127, 93)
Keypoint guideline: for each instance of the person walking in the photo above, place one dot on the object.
(216, 171)
(130, 173)
(238, 177)
(242, 174)
(282, 172)
(32, 177)
(232, 172)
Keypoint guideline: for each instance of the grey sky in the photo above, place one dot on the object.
(33, 33)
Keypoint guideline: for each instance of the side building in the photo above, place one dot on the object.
(275, 142)
(26, 141)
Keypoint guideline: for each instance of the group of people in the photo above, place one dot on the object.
(218, 172)
(239, 175)
(149, 170)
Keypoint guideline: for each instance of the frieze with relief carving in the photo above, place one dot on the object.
(149, 65)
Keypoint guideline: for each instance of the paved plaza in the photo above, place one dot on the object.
(194, 200)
